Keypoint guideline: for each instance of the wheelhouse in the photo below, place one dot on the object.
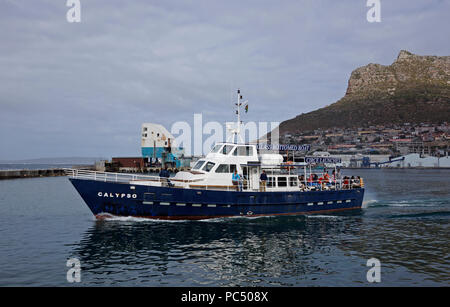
(215, 171)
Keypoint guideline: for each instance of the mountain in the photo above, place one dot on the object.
(414, 89)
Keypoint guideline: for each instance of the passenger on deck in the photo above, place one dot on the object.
(356, 182)
(313, 181)
(164, 177)
(263, 179)
(346, 182)
(236, 179)
(301, 180)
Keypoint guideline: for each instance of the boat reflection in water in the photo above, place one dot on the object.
(287, 251)
(315, 250)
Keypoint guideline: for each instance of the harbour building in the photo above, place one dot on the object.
(158, 145)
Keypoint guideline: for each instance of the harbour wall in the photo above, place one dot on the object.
(30, 173)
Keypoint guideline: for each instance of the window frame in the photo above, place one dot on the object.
(271, 182)
(227, 171)
(293, 180)
(215, 146)
(201, 166)
(247, 151)
(208, 163)
(227, 146)
(285, 183)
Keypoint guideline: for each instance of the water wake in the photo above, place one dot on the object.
(114, 218)
(407, 203)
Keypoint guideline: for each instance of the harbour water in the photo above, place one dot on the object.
(405, 224)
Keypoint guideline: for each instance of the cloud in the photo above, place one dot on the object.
(85, 89)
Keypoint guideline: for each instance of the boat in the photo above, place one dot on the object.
(208, 191)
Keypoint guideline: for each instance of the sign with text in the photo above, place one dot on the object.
(318, 160)
(284, 147)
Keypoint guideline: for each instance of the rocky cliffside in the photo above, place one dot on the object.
(413, 89)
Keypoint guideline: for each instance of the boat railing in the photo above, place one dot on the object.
(333, 184)
(108, 176)
(303, 185)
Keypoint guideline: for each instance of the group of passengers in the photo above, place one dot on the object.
(352, 182)
(327, 181)
(313, 181)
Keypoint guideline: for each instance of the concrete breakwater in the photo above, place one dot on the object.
(30, 173)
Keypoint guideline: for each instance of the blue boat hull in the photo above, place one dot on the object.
(122, 199)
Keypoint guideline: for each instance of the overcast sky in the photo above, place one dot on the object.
(84, 89)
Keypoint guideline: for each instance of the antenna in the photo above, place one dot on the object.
(236, 131)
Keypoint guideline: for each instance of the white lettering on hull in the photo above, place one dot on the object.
(116, 195)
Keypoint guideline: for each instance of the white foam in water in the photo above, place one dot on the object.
(323, 216)
(114, 218)
(402, 203)
(242, 217)
(368, 202)
(408, 203)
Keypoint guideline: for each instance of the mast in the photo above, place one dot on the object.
(236, 131)
(238, 112)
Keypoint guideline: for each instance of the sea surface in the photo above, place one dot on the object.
(404, 224)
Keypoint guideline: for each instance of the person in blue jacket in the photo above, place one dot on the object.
(237, 180)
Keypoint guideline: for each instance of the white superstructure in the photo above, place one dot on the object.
(217, 167)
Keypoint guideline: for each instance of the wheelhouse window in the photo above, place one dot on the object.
(243, 151)
(282, 181)
(226, 168)
(208, 166)
(223, 168)
(227, 149)
(199, 164)
(270, 182)
(216, 148)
